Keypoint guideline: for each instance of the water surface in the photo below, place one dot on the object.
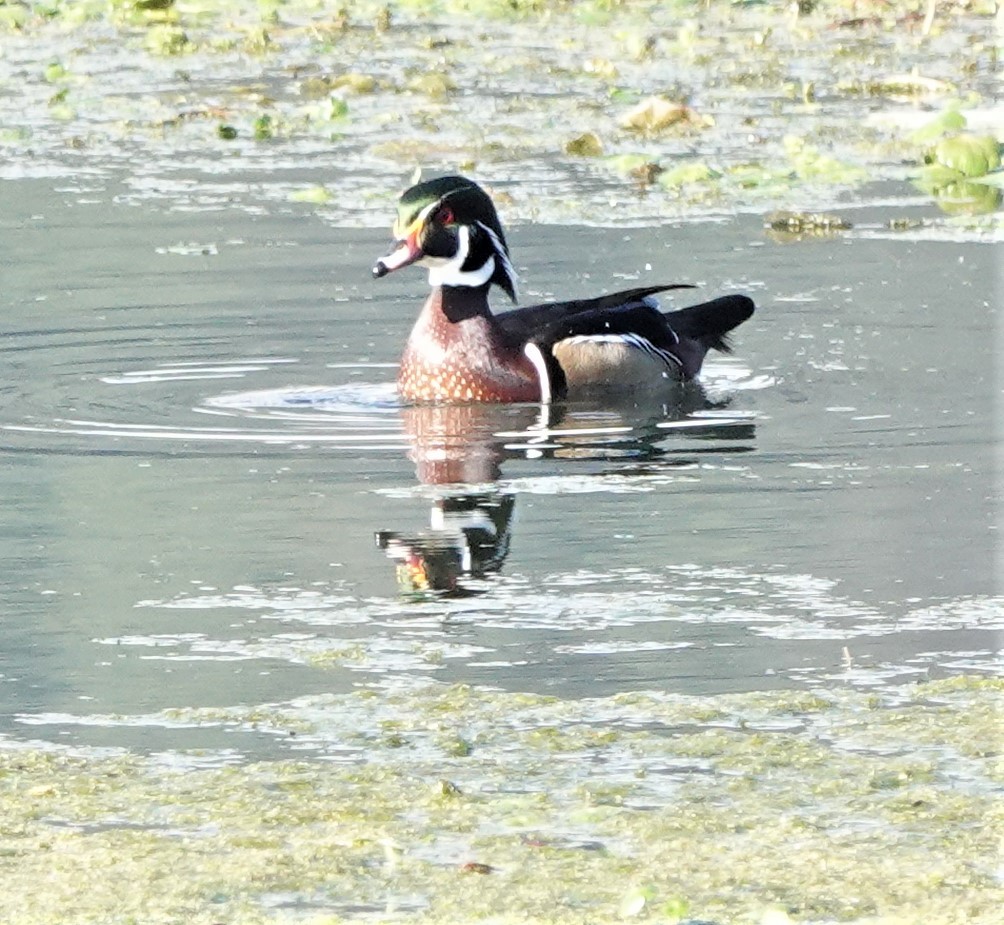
(202, 441)
(275, 648)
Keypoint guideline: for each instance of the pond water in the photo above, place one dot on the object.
(276, 648)
(202, 441)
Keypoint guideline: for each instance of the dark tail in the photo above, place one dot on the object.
(710, 322)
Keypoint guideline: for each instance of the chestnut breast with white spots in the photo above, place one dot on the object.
(464, 360)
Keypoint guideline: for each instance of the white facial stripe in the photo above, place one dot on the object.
(507, 266)
(450, 272)
(400, 231)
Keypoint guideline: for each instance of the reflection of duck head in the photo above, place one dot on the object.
(468, 536)
(464, 445)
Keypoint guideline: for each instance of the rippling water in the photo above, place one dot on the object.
(707, 659)
(212, 494)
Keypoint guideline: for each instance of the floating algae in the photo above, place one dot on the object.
(806, 223)
(776, 106)
(835, 806)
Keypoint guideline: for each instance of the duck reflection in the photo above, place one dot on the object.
(457, 447)
(465, 444)
(468, 538)
(460, 450)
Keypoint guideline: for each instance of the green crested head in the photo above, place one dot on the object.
(449, 224)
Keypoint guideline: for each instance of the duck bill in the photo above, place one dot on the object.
(403, 253)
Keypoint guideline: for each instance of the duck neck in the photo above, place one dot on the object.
(458, 303)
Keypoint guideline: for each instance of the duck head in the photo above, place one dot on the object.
(449, 225)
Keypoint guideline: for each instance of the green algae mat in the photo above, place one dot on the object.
(601, 111)
(437, 803)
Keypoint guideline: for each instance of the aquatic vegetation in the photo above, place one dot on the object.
(443, 803)
(257, 41)
(632, 164)
(811, 164)
(798, 224)
(588, 144)
(59, 108)
(263, 127)
(656, 114)
(677, 85)
(314, 194)
(354, 83)
(435, 85)
(962, 172)
(684, 174)
(698, 181)
(452, 803)
(56, 72)
(13, 16)
(325, 112)
(167, 40)
(951, 119)
(965, 197)
(900, 85)
(967, 155)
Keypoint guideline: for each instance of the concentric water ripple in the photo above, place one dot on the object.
(125, 410)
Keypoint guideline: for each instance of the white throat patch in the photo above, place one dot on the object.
(443, 272)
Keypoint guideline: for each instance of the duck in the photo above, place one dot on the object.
(459, 350)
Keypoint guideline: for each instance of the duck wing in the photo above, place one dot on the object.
(673, 344)
(523, 324)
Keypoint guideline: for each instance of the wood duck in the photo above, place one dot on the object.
(459, 351)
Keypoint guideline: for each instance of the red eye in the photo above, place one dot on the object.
(445, 216)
